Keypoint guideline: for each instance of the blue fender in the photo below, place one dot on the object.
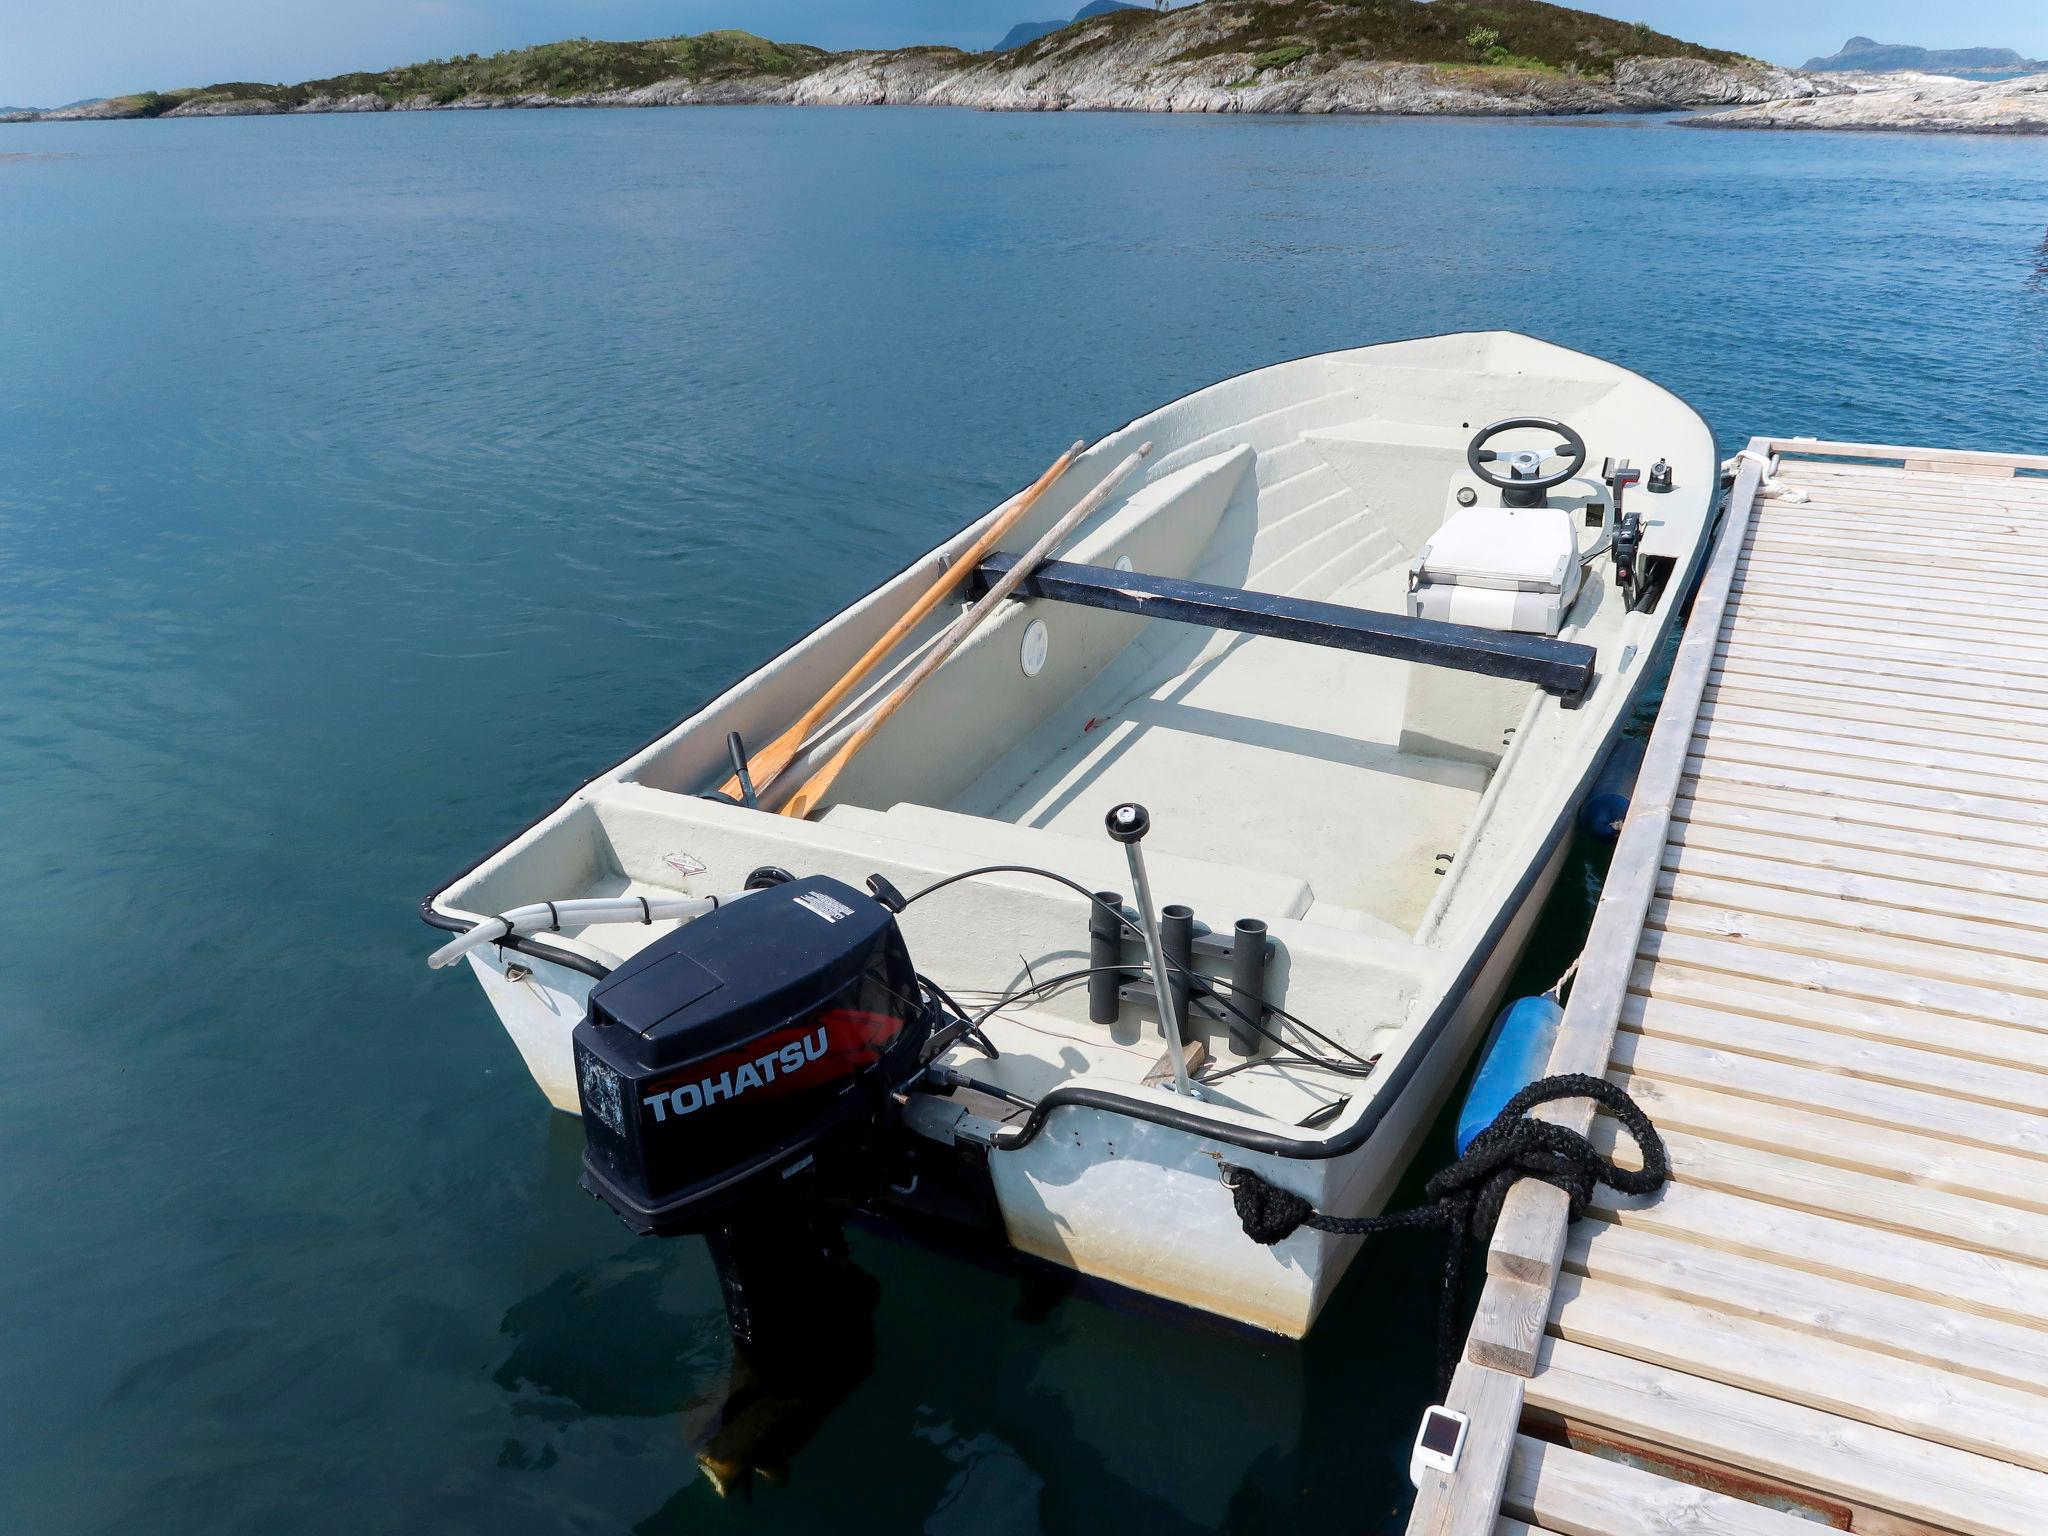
(1606, 807)
(1517, 1051)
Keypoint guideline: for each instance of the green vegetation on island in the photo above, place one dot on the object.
(1502, 34)
(578, 67)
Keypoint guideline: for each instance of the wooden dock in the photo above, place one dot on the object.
(1820, 964)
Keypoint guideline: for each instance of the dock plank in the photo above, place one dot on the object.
(1763, 608)
(1834, 1093)
(1918, 488)
(1922, 487)
(1980, 977)
(1878, 728)
(1813, 833)
(1841, 979)
(1940, 1408)
(1999, 558)
(1851, 1054)
(1829, 519)
(1787, 598)
(1917, 1479)
(1960, 566)
(1783, 1178)
(1892, 585)
(1468, 1503)
(1568, 1490)
(1970, 835)
(1985, 623)
(1864, 910)
(1760, 861)
(1999, 702)
(1910, 1157)
(1731, 729)
(1898, 703)
(1927, 793)
(1910, 1329)
(1988, 1284)
(1883, 661)
(1736, 994)
(1925, 639)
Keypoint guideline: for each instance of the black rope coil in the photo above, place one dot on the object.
(1466, 1198)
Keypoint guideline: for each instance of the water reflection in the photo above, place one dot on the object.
(953, 1397)
(773, 1404)
(750, 1357)
(800, 1314)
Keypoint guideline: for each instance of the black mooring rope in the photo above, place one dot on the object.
(1465, 1198)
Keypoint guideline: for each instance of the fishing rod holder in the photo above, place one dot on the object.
(1247, 950)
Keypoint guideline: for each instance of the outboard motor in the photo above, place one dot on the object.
(747, 1055)
(737, 1078)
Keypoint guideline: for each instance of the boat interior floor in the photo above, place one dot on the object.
(1261, 754)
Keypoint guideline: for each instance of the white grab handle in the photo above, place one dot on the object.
(545, 916)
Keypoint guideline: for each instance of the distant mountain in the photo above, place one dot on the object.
(1031, 31)
(1026, 32)
(9, 111)
(1868, 54)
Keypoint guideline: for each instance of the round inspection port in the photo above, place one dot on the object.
(1037, 642)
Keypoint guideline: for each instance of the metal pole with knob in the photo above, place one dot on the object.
(1128, 824)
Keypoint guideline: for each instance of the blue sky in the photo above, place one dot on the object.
(54, 51)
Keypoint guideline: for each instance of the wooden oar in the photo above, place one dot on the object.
(779, 753)
(806, 799)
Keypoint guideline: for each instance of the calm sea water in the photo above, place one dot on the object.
(365, 483)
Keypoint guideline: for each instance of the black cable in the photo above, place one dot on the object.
(1038, 988)
(1321, 1063)
(1213, 982)
(1354, 1068)
(1001, 869)
(1193, 975)
(961, 1026)
(943, 997)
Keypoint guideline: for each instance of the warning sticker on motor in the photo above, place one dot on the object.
(824, 906)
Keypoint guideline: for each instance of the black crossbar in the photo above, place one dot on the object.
(1558, 666)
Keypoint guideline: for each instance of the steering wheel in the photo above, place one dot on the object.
(1527, 483)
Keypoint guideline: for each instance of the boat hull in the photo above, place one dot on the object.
(1397, 822)
(1134, 1205)
(1138, 1205)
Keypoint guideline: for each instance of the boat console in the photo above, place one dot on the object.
(1513, 567)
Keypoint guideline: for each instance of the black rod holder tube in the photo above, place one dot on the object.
(1105, 957)
(1177, 938)
(1247, 984)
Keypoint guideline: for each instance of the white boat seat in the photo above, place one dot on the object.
(1504, 568)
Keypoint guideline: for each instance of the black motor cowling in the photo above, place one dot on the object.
(748, 1058)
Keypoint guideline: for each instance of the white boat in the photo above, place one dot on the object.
(1361, 699)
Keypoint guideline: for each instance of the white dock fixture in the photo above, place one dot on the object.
(1820, 963)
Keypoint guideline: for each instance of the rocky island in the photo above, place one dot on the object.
(1501, 57)
(1906, 103)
